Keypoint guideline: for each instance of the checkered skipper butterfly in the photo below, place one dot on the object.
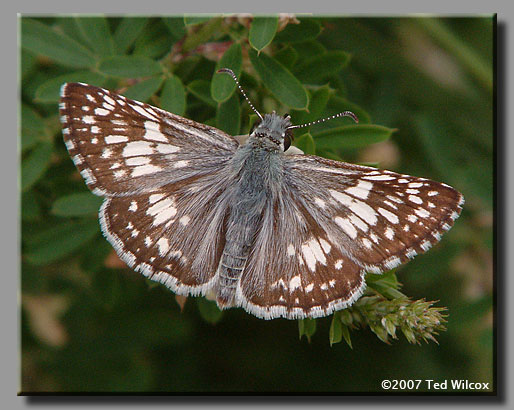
(244, 223)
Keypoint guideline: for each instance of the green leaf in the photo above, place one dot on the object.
(203, 35)
(49, 91)
(317, 103)
(129, 66)
(351, 136)
(228, 115)
(60, 241)
(127, 32)
(173, 96)
(31, 120)
(176, 26)
(154, 42)
(43, 40)
(143, 90)
(346, 334)
(209, 310)
(287, 56)
(192, 20)
(262, 31)
(97, 34)
(335, 333)
(35, 164)
(284, 86)
(30, 209)
(309, 49)
(385, 284)
(306, 143)
(308, 29)
(307, 328)
(28, 63)
(320, 67)
(82, 204)
(201, 90)
(222, 84)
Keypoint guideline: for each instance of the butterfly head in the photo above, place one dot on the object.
(274, 131)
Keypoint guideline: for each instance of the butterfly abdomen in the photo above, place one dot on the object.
(254, 187)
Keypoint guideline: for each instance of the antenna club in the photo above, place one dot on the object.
(226, 70)
(341, 114)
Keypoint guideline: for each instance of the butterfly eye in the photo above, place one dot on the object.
(288, 137)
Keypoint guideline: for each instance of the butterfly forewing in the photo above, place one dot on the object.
(337, 221)
(121, 146)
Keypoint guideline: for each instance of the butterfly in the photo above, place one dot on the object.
(250, 223)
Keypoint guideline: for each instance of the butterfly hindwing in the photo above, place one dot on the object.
(174, 235)
(121, 146)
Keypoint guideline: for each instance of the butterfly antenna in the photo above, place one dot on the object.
(229, 71)
(341, 114)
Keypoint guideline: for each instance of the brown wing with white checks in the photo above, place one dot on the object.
(333, 222)
(123, 147)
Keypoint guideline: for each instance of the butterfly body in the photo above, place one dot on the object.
(279, 235)
(258, 169)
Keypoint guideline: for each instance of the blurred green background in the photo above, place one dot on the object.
(423, 90)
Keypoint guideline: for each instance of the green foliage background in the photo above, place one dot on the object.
(423, 91)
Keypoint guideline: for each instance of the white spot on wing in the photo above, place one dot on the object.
(325, 245)
(423, 213)
(143, 112)
(388, 215)
(101, 111)
(135, 161)
(162, 211)
(153, 132)
(184, 220)
(166, 148)
(295, 283)
(361, 190)
(152, 199)
(415, 199)
(180, 164)
(145, 169)
(347, 226)
(137, 148)
(380, 177)
(163, 245)
(309, 257)
(320, 202)
(115, 139)
(363, 210)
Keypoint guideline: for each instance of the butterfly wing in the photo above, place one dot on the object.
(125, 147)
(330, 224)
(174, 235)
(164, 178)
